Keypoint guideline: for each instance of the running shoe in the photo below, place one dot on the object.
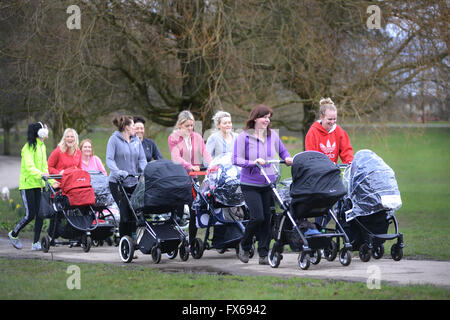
(15, 241)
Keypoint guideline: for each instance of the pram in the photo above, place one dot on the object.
(219, 204)
(368, 208)
(165, 185)
(74, 218)
(315, 188)
(108, 228)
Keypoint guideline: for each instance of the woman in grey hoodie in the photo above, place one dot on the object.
(124, 156)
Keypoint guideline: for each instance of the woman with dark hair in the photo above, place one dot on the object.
(33, 166)
(257, 144)
(124, 156)
(150, 148)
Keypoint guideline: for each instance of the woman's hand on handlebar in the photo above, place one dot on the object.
(195, 168)
(288, 161)
(260, 161)
(56, 185)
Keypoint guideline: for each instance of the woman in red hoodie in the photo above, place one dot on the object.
(327, 137)
(66, 155)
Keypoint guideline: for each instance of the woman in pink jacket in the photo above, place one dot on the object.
(89, 161)
(188, 148)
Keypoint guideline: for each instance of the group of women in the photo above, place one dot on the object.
(128, 152)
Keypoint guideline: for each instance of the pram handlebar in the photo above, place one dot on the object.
(201, 172)
(51, 176)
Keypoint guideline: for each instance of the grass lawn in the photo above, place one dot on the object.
(48, 280)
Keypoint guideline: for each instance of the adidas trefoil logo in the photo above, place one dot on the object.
(329, 148)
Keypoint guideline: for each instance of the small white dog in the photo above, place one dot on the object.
(5, 193)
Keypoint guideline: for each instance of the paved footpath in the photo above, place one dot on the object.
(403, 272)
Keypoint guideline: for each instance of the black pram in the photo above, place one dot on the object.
(368, 208)
(163, 187)
(316, 186)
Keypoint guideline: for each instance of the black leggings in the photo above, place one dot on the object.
(31, 199)
(259, 201)
(127, 224)
(192, 223)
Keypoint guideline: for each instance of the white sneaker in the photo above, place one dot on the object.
(36, 246)
(15, 241)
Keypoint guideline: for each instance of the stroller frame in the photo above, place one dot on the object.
(147, 239)
(308, 253)
(199, 245)
(84, 240)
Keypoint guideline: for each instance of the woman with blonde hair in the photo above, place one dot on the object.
(89, 161)
(327, 137)
(222, 141)
(66, 154)
(188, 148)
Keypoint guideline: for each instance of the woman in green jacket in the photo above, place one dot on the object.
(33, 166)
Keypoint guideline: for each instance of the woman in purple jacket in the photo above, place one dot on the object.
(257, 144)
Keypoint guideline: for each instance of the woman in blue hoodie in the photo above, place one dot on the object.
(124, 156)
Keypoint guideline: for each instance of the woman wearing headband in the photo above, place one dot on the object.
(33, 165)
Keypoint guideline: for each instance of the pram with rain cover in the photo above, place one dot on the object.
(314, 189)
(368, 208)
(75, 217)
(166, 185)
(219, 205)
(108, 227)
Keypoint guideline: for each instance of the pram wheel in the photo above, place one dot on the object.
(378, 252)
(274, 258)
(396, 252)
(126, 249)
(184, 251)
(345, 257)
(315, 257)
(86, 242)
(173, 254)
(197, 248)
(156, 254)
(45, 243)
(330, 253)
(365, 252)
(303, 260)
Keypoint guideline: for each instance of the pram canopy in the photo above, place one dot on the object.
(316, 184)
(223, 181)
(100, 184)
(372, 186)
(313, 173)
(76, 185)
(167, 185)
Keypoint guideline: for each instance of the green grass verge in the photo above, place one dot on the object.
(48, 280)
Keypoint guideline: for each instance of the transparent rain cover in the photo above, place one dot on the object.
(223, 180)
(100, 184)
(372, 186)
